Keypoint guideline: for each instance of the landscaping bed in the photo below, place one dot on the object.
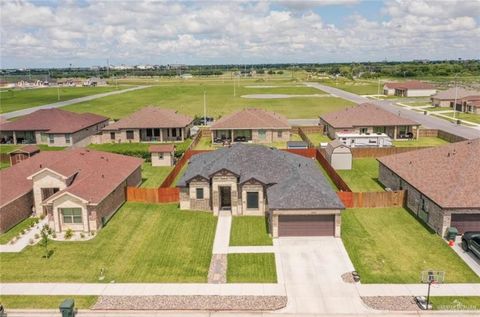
(17, 230)
(250, 231)
(251, 268)
(363, 177)
(408, 303)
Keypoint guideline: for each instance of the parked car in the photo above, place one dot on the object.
(471, 242)
(201, 121)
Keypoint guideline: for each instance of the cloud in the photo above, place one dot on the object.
(89, 32)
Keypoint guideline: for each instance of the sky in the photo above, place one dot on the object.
(88, 32)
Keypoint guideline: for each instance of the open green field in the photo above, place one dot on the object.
(360, 87)
(14, 99)
(363, 177)
(422, 141)
(455, 302)
(44, 302)
(153, 176)
(14, 231)
(141, 243)
(187, 98)
(250, 231)
(389, 245)
(251, 268)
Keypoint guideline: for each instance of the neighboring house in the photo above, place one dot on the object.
(412, 88)
(466, 100)
(162, 154)
(95, 81)
(442, 184)
(53, 127)
(257, 180)
(251, 125)
(23, 153)
(150, 124)
(339, 155)
(78, 189)
(368, 119)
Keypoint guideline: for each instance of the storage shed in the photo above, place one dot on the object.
(23, 153)
(339, 155)
(162, 154)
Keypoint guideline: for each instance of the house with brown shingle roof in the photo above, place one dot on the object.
(465, 100)
(442, 184)
(251, 125)
(149, 124)
(411, 88)
(53, 127)
(368, 119)
(76, 189)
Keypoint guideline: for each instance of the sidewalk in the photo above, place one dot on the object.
(24, 241)
(418, 289)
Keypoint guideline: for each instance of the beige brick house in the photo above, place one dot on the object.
(464, 100)
(288, 189)
(442, 184)
(251, 125)
(78, 189)
(411, 88)
(150, 124)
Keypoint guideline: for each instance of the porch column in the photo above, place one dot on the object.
(395, 133)
(232, 136)
(14, 138)
(56, 218)
(418, 132)
(213, 135)
(182, 130)
(161, 135)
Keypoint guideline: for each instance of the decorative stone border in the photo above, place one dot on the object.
(391, 303)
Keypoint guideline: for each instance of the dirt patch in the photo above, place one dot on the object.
(393, 303)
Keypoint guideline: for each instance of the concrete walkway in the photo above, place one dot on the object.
(468, 257)
(18, 113)
(24, 241)
(222, 233)
(253, 249)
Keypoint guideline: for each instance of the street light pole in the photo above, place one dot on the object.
(204, 107)
(455, 100)
(58, 92)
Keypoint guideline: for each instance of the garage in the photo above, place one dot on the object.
(306, 225)
(466, 222)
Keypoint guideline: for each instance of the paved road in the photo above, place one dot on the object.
(426, 121)
(9, 115)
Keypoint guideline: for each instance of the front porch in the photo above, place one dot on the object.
(18, 137)
(220, 136)
(162, 135)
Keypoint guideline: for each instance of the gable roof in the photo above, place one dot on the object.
(460, 92)
(161, 148)
(293, 181)
(28, 149)
(53, 121)
(449, 175)
(152, 117)
(252, 119)
(96, 173)
(411, 84)
(364, 115)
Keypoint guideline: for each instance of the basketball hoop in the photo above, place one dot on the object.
(432, 277)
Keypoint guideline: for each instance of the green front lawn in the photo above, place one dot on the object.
(455, 302)
(141, 243)
(475, 118)
(251, 268)
(422, 141)
(363, 177)
(153, 176)
(137, 149)
(389, 245)
(44, 302)
(250, 230)
(15, 231)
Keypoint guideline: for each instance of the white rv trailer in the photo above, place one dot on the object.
(364, 139)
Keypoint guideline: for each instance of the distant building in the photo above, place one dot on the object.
(95, 81)
(467, 100)
(413, 88)
(339, 155)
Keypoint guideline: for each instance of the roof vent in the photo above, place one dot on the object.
(41, 166)
(103, 176)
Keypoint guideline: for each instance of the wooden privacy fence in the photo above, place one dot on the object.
(372, 199)
(332, 173)
(153, 195)
(382, 151)
(168, 182)
(305, 138)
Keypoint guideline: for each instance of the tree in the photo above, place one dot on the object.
(45, 234)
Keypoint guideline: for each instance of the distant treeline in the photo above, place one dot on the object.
(349, 70)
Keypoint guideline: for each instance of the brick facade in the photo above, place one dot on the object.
(15, 211)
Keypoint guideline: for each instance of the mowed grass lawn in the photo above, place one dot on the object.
(44, 302)
(13, 99)
(475, 118)
(249, 230)
(317, 138)
(251, 268)
(187, 98)
(455, 302)
(389, 245)
(422, 141)
(141, 243)
(5, 148)
(361, 87)
(17, 229)
(363, 177)
(153, 176)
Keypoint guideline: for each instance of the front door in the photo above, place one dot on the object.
(225, 197)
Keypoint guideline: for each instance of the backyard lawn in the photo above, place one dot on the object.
(15, 231)
(455, 302)
(137, 149)
(422, 141)
(363, 177)
(141, 243)
(44, 302)
(317, 138)
(153, 176)
(251, 268)
(14, 99)
(249, 230)
(389, 245)
(5, 148)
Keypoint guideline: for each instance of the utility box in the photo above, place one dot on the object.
(451, 233)
(67, 308)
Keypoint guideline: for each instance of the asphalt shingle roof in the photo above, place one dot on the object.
(152, 117)
(251, 118)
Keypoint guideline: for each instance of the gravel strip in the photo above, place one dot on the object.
(217, 273)
(394, 303)
(200, 302)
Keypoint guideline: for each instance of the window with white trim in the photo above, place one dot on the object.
(71, 215)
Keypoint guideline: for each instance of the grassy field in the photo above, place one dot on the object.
(422, 141)
(455, 302)
(361, 87)
(13, 232)
(251, 268)
(389, 245)
(44, 302)
(141, 243)
(187, 98)
(475, 118)
(153, 176)
(363, 177)
(249, 230)
(12, 100)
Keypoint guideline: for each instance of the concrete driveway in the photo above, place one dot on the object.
(472, 261)
(312, 269)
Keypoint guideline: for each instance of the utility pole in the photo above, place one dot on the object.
(378, 89)
(204, 107)
(58, 92)
(456, 96)
(234, 83)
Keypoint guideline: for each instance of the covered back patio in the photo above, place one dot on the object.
(162, 135)
(231, 135)
(18, 137)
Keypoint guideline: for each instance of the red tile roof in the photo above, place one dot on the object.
(161, 148)
(252, 119)
(152, 117)
(412, 84)
(53, 121)
(29, 149)
(364, 115)
(96, 173)
(449, 175)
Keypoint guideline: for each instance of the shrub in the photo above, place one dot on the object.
(68, 233)
(23, 231)
(42, 216)
(31, 241)
(92, 232)
(36, 236)
(54, 235)
(82, 235)
(36, 220)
